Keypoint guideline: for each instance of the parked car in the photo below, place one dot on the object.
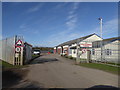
(36, 52)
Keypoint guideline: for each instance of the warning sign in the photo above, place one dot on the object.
(84, 50)
(19, 43)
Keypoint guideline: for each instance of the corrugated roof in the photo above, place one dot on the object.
(75, 40)
(112, 39)
(109, 40)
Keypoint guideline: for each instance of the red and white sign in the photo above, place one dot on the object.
(19, 43)
(84, 50)
(17, 49)
(85, 44)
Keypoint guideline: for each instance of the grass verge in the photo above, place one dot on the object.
(34, 56)
(7, 65)
(107, 68)
(113, 63)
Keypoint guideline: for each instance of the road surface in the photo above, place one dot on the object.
(54, 71)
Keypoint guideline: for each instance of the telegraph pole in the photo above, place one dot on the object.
(101, 37)
(78, 58)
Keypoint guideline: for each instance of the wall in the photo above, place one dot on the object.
(59, 50)
(88, 40)
(54, 50)
(27, 53)
(69, 52)
(8, 50)
(65, 48)
(74, 51)
(113, 56)
(93, 38)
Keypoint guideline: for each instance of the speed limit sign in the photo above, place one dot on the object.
(84, 50)
(17, 49)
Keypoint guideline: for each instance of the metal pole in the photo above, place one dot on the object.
(101, 37)
(101, 27)
(77, 59)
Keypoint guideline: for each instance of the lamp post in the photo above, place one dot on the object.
(101, 37)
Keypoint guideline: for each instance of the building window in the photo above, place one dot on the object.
(108, 52)
(93, 52)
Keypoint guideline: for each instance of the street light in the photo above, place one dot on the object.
(101, 36)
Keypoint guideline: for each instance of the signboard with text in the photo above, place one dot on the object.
(85, 44)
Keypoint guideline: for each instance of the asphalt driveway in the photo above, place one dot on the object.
(54, 71)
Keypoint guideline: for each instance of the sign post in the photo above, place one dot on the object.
(18, 54)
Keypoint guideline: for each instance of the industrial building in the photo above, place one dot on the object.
(70, 46)
(109, 52)
(91, 47)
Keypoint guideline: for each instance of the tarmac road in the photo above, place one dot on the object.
(54, 71)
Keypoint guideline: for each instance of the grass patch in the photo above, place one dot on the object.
(82, 59)
(70, 57)
(113, 63)
(7, 65)
(103, 67)
(34, 56)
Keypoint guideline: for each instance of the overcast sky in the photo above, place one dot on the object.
(49, 24)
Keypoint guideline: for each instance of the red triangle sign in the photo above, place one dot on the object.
(19, 43)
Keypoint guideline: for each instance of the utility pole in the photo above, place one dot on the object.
(78, 57)
(101, 37)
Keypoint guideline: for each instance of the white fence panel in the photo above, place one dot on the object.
(8, 49)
